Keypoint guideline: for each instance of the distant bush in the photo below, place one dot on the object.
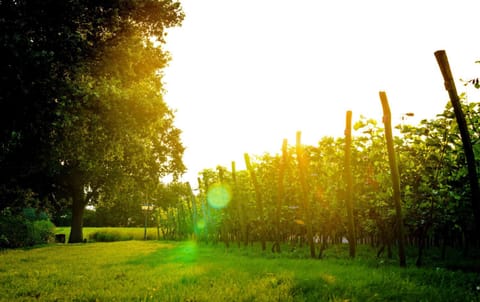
(26, 229)
(43, 231)
(109, 236)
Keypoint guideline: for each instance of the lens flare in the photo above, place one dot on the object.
(200, 224)
(219, 195)
(186, 253)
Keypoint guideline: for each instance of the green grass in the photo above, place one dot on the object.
(186, 271)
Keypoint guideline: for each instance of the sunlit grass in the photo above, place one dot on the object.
(187, 271)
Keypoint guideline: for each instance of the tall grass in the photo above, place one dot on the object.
(187, 271)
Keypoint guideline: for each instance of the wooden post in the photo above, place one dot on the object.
(194, 210)
(280, 196)
(237, 201)
(442, 61)
(302, 169)
(349, 184)
(387, 121)
(206, 211)
(259, 200)
(224, 226)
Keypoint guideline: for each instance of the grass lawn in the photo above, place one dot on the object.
(187, 271)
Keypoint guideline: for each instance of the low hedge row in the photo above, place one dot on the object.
(110, 236)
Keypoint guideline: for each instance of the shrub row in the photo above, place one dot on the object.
(25, 229)
(110, 236)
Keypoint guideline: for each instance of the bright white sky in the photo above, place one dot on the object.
(246, 74)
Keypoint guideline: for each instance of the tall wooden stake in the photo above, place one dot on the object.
(206, 211)
(302, 169)
(387, 120)
(224, 226)
(237, 200)
(280, 196)
(258, 198)
(349, 184)
(442, 61)
(194, 210)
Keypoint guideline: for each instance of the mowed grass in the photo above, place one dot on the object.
(187, 271)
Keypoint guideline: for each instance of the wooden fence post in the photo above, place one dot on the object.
(194, 210)
(237, 200)
(442, 61)
(259, 200)
(302, 170)
(387, 121)
(349, 184)
(280, 196)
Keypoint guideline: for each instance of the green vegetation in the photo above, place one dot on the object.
(83, 119)
(26, 229)
(112, 234)
(432, 207)
(86, 137)
(187, 271)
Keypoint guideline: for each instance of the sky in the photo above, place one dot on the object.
(245, 74)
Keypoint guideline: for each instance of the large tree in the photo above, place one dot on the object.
(84, 111)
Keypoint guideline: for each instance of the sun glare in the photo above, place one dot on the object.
(219, 195)
(187, 252)
(258, 78)
(200, 225)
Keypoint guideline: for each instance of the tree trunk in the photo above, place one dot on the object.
(395, 177)
(79, 201)
(349, 184)
(421, 246)
(462, 126)
(78, 208)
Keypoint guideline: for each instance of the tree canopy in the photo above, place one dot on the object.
(83, 113)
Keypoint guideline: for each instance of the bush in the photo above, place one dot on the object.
(43, 231)
(14, 231)
(109, 236)
(23, 230)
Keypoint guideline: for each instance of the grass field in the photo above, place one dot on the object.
(187, 271)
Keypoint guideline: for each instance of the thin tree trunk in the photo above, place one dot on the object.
(387, 120)
(462, 126)
(349, 184)
(421, 248)
(302, 167)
